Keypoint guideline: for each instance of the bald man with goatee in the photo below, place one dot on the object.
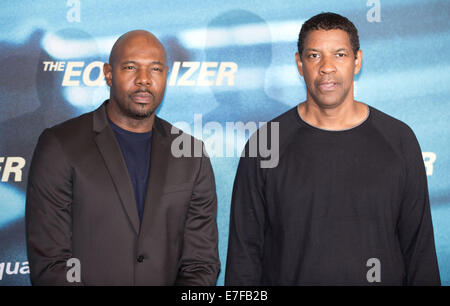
(108, 203)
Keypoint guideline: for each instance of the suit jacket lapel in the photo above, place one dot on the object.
(112, 155)
(159, 162)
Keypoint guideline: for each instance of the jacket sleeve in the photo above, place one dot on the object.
(48, 213)
(415, 227)
(247, 224)
(199, 264)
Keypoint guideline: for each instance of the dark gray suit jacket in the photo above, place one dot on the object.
(80, 204)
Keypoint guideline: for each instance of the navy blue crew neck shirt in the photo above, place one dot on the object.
(136, 148)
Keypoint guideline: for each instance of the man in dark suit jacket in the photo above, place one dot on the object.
(97, 194)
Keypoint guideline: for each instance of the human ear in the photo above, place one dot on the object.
(299, 63)
(107, 71)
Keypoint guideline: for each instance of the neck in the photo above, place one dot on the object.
(128, 123)
(340, 117)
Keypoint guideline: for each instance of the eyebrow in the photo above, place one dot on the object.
(157, 63)
(311, 49)
(133, 62)
(317, 50)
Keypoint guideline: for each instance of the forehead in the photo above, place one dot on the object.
(141, 48)
(327, 38)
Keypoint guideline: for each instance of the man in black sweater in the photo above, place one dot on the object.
(347, 203)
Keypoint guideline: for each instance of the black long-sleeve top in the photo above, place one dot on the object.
(335, 200)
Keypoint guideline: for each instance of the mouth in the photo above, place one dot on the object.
(143, 97)
(327, 86)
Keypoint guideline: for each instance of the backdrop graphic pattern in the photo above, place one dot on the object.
(52, 51)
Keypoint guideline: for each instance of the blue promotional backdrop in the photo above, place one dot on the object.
(232, 66)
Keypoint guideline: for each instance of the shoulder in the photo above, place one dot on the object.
(58, 143)
(171, 131)
(286, 119)
(396, 132)
(279, 129)
(265, 145)
(281, 126)
(188, 145)
(70, 138)
(388, 123)
(68, 130)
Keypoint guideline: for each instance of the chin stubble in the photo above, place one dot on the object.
(139, 114)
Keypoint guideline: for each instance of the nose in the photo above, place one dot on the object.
(327, 66)
(143, 78)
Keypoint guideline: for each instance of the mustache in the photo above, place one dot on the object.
(327, 80)
(143, 91)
